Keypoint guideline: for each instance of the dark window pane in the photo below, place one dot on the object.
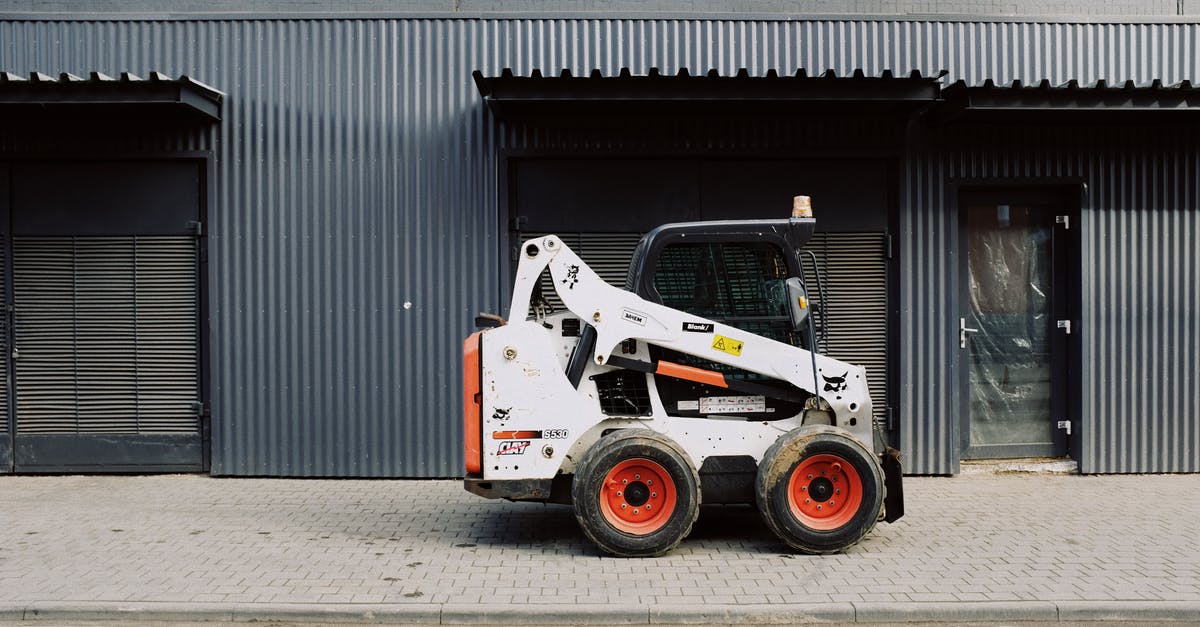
(740, 284)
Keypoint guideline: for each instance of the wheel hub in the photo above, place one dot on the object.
(820, 489)
(636, 494)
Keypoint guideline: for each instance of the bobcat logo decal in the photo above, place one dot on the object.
(835, 384)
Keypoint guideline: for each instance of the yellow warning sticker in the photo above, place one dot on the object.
(728, 345)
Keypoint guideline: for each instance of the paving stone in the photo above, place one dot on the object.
(260, 543)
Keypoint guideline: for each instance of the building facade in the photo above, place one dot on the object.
(251, 243)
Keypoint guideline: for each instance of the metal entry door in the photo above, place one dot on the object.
(1014, 324)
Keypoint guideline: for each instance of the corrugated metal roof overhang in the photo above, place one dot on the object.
(1069, 101)
(512, 95)
(101, 96)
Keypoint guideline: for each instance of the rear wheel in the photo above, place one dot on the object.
(635, 493)
(819, 489)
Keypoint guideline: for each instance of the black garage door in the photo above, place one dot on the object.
(102, 342)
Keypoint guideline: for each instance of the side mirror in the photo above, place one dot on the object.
(797, 302)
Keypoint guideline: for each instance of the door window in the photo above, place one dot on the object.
(1014, 351)
(1008, 256)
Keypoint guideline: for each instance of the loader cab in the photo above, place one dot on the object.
(733, 272)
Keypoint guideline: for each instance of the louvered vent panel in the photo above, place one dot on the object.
(105, 342)
(854, 275)
(107, 334)
(44, 316)
(607, 254)
(168, 336)
(4, 348)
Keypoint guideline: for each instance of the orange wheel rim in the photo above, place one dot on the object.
(824, 492)
(637, 496)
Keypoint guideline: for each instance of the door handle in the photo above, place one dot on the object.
(963, 330)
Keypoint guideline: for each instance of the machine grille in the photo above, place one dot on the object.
(623, 393)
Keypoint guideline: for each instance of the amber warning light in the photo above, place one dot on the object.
(802, 207)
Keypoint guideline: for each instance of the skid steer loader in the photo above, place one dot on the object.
(698, 382)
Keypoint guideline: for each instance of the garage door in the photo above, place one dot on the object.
(104, 365)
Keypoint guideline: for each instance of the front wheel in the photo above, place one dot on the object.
(635, 493)
(819, 489)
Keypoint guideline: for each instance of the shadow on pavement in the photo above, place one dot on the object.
(553, 527)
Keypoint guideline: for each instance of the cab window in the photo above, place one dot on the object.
(737, 283)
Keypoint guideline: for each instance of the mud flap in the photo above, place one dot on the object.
(893, 502)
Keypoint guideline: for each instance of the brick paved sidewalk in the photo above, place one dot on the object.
(994, 546)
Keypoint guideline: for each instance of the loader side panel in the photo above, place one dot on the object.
(472, 401)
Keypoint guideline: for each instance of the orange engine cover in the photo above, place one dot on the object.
(472, 402)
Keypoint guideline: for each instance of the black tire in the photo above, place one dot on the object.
(651, 468)
(819, 489)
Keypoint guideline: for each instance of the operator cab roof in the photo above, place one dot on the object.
(790, 234)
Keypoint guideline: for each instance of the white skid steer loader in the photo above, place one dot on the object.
(699, 382)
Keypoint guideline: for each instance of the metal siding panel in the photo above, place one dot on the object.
(1141, 389)
(929, 380)
(356, 172)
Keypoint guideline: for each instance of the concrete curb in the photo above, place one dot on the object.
(590, 614)
(1120, 610)
(476, 614)
(400, 614)
(752, 614)
(126, 611)
(973, 611)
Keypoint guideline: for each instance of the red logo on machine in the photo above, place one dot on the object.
(513, 447)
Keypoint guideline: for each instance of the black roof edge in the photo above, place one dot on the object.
(1071, 85)
(508, 92)
(127, 89)
(1071, 97)
(551, 93)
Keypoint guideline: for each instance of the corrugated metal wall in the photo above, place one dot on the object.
(1140, 323)
(354, 228)
(928, 360)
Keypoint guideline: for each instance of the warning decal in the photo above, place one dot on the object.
(727, 345)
